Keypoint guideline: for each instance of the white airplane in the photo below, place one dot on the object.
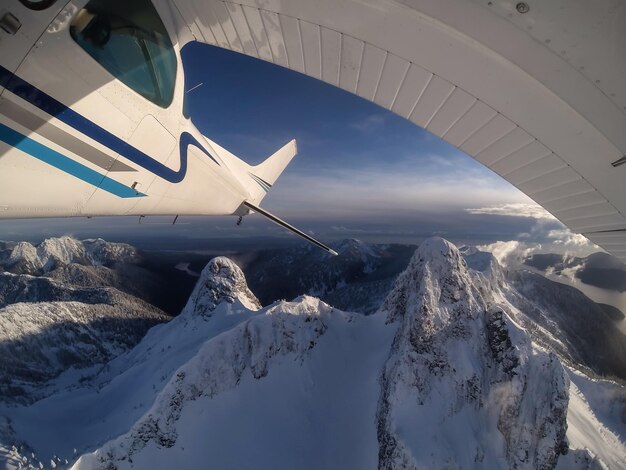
(92, 98)
(92, 121)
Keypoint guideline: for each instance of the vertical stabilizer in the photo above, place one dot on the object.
(264, 175)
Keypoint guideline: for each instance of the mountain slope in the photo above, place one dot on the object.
(598, 269)
(66, 310)
(557, 316)
(40, 341)
(587, 332)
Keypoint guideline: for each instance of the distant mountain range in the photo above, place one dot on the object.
(66, 306)
(358, 279)
(456, 363)
(598, 269)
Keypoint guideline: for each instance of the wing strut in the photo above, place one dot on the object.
(284, 224)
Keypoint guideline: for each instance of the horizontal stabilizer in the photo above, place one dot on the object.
(284, 224)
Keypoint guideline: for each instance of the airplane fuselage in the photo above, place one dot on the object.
(77, 140)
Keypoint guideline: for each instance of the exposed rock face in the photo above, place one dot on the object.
(456, 359)
(220, 281)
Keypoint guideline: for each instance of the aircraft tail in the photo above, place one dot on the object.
(262, 177)
(265, 174)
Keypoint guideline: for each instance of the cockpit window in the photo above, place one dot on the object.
(37, 4)
(127, 37)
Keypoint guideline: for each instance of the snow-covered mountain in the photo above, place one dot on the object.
(25, 258)
(65, 307)
(570, 323)
(443, 376)
(461, 371)
(85, 413)
(86, 263)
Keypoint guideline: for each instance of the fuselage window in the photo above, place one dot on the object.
(128, 38)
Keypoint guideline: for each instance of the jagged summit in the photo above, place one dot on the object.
(221, 280)
(436, 273)
(62, 250)
(23, 258)
(486, 267)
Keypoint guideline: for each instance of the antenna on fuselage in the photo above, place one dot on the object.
(193, 88)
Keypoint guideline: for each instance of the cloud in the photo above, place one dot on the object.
(511, 252)
(568, 238)
(515, 210)
(546, 235)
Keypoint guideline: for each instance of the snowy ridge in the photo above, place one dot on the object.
(219, 366)
(595, 421)
(113, 397)
(567, 322)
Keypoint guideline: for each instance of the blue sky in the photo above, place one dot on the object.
(361, 171)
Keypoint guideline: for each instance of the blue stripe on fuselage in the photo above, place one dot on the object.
(63, 163)
(55, 108)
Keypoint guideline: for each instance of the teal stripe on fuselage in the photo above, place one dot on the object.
(262, 187)
(260, 182)
(63, 163)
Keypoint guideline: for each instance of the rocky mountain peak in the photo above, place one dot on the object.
(456, 351)
(101, 252)
(221, 281)
(452, 381)
(62, 250)
(23, 259)
(436, 273)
